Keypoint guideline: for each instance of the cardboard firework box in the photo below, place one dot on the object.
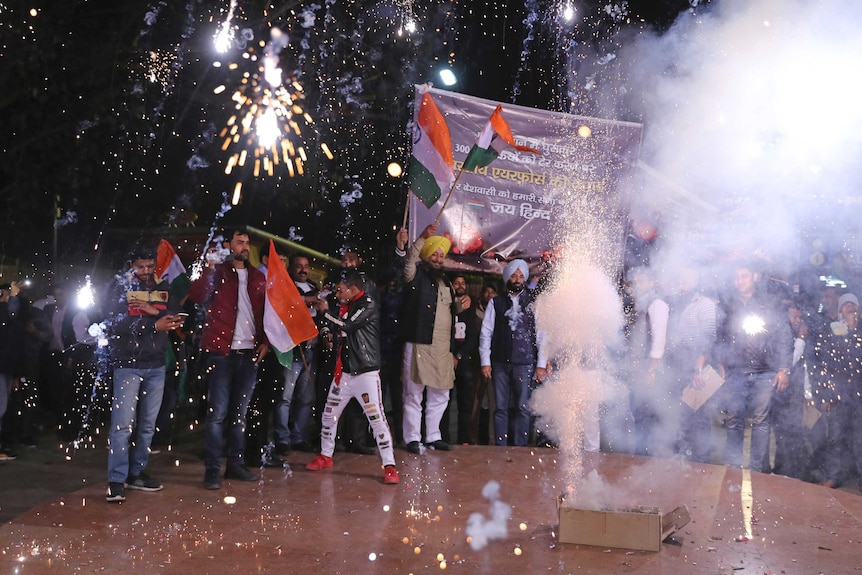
(639, 528)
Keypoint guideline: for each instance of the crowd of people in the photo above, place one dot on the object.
(410, 344)
(781, 362)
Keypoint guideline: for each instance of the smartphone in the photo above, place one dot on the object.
(182, 314)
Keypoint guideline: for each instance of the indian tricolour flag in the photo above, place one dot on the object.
(431, 165)
(168, 264)
(286, 319)
(495, 137)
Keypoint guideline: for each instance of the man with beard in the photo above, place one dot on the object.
(235, 343)
(512, 353)
(427, 311)
(293, 413)
(483, 396)
(140, 315)
(465, 348)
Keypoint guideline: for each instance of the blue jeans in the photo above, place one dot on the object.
(512, 385)
(748, 395)
(293, 412)
(230, 383)
(136, 401)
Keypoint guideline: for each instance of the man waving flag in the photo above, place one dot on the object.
(495, 137)
(286, 319)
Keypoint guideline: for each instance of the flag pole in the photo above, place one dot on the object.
(406, 210)
(302, 356)
(449, 195)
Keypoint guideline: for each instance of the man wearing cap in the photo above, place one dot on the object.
(838, 394)
(512, 352)
(427, 310)
(754, 348)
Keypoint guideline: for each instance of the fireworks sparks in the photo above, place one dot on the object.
(407, 17)
(157, 67)
(86, 296)
(224, 37)
(753, 325)
(263, 136)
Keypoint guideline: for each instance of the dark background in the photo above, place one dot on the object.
(96, 155)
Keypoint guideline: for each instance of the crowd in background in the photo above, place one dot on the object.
(706, 368)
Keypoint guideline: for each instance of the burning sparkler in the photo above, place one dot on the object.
(226, 31)
(753, 325)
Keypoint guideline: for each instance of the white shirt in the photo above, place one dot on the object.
(487, 332)
(243, 331)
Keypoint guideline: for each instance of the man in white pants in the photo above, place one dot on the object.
(427, 313)
(357, 372)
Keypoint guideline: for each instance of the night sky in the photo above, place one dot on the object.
(113, 110)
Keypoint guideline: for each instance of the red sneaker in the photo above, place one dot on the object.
(319, 462)
(390, 475)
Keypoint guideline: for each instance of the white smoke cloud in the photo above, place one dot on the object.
(751, 107)
(482, 530)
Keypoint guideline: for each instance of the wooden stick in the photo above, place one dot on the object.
(406, 209)
(448, 196)
(302, 356)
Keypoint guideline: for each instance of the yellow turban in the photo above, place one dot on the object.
(433, 244)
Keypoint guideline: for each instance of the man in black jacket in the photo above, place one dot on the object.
(427, 312)
(755, 348)
(465, 348)
(140, 315)
(357, 372)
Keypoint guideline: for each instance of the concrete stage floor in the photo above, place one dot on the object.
(345, 521)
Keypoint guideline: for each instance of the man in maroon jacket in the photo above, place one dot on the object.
(234, 341)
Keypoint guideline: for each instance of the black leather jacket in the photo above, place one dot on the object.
(357, 335)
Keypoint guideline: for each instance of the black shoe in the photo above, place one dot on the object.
(439, 445)
(116, 492)
(362, 449)
(282, 449)
(143, 482)
(413, 447)
(303, 446)
(240, 472)
(212, 479)
(275, 461)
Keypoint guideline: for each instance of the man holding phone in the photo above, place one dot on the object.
(140, 315)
